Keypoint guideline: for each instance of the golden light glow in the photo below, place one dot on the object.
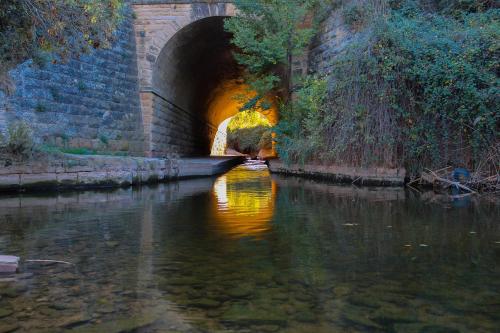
(219, 144)
(223, 105)
(243, 203)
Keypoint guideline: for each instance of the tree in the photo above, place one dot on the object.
(63, 28)
(268, 34)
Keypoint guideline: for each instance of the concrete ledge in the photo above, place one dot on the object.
(77, 171)
(341, 174)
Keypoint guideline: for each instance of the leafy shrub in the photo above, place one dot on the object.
(266, 140)
(356, 15)
(419, 88)
(247, 132)
(299, 131)
(246, 140)
(20, 141)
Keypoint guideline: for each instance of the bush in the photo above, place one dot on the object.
(247, 132)
(266, 140)
(356, 15)
(19, 140)
(299, 133)
(246, 140)
(418, 89)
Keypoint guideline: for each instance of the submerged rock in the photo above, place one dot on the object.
(8, 328)
(388, 314)
(5, 312)
(131, 324)
(359, 316)
(205, 303)
(423, 328)
(241, 291)
(112, 244)
(247, 315)
(305, 317)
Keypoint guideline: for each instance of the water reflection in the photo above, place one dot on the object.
(247, 253)
(244, 201)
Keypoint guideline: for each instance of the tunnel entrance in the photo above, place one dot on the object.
(195, 80)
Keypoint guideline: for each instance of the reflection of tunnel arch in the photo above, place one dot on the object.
(193, 67)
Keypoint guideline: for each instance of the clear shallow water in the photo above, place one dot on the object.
(249, 253)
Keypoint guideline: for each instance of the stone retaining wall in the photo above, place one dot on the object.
(342, 174)
(84, 171)
(331, 40)
(74, 171)
(91, 102)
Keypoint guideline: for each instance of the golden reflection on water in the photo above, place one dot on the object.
(244, 202)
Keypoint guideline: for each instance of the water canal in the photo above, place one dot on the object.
(250, 252)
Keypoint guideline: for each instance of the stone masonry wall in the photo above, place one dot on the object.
(173, 130)
(332, 38)
(90, 102)
(81, 171)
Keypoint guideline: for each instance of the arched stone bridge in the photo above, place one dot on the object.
(184, 63)
(164, 87)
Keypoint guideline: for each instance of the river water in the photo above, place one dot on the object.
(250, 252)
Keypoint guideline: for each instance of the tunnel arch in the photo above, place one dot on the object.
(194, 65)
(187, 75)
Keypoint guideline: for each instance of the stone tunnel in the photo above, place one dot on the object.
(188, 75)
(164, 87)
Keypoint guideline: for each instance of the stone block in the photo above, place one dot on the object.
(67, 178)
(93, 178)
(39, 180)
(121, 178)
(10, 182)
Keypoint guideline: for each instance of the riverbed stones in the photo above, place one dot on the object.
(243, 290)
(389, 314)
(130, 324)
(8, 328)
(241, 314)
(5, 312)
(112, 244)
(205, 303)
(423, 328)
(305, 317)
(359, 316)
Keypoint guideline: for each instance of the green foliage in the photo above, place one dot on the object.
(356, 15)
(445, 85)
(78, 151)
(268, 33)
(19, 141)
(248, 132)
(298, 131)
(104, 139)
(33, 28)
(266, 140)
(419, 88)
(247, 119)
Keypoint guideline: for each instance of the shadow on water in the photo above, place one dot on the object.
(250, 252)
